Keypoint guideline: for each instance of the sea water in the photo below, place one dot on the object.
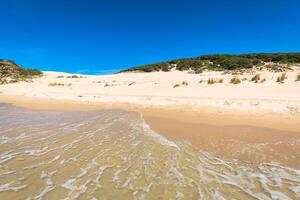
(114, 154)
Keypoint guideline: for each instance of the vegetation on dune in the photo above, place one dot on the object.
(185, 83)
(280, 79)
(298, 77)
(235, 80)
(256, 78)
(56, 84)
(75, 76)
(10, 72)
(176, 85)
(217, 62)
(130, 84)
(211, 81)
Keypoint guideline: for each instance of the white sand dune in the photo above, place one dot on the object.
(157, 88)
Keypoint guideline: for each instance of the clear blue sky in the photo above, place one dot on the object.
(104, 36)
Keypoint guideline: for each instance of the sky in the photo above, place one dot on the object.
(102, 37)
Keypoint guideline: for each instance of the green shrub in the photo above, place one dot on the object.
(176, 85)
(198, 71)
(263, 80)
(225, 62)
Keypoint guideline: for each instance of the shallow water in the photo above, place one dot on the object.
(113, 154)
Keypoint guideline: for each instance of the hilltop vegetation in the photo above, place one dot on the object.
(216, 62)
(10, 72)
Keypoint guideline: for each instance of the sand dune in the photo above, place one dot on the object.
(157, 88)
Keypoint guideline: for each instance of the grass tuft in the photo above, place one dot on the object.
(298, 77)
(130, 84)
(235, 80)
(184, 83)
(263, 80)
(256, 78)
(280, 79)
(56, 84)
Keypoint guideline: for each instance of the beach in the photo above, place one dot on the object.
(253, 125)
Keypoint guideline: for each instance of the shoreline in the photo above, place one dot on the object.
(211, 115)
(221, 132)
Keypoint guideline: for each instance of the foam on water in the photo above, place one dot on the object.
(114, 154)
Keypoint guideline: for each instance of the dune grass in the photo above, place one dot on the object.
(211, 81)
(256, 78)
(280, 79)
(235, 80)
(130, 84)
(56, 84)
(298, 77)
(185, 83)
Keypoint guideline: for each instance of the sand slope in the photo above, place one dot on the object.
(157, 88)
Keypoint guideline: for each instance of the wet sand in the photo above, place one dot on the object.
(230, 134)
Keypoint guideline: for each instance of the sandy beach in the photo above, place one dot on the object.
(250, 129)
(263, 112)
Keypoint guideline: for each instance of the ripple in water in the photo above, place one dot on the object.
(113, 154)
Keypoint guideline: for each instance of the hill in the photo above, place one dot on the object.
(10, 72)
(217, 62)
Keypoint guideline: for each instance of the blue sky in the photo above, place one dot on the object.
(105, 36)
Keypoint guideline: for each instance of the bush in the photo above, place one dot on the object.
(224, 62)
(198, 71)
(235, 80)
(176, 85)
(263, 80)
